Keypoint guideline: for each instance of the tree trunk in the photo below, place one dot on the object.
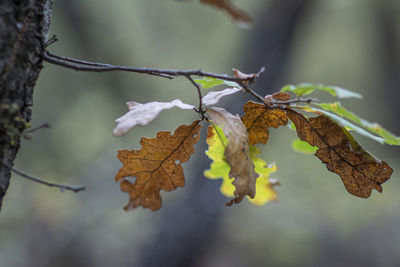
(23, 30)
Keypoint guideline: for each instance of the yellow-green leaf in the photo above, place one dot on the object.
(375, 128)
(307, 88)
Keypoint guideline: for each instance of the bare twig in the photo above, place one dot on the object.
(51, 41)
(200, 109)
(293, 101)
(62, 187)
(28, 137)
(81, 65)
(34, 129)
(250, 91)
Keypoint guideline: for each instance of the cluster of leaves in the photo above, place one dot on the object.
(323, 129)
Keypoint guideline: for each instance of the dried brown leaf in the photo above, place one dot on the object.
(142, 114)
(257, 119)
(237, 153)
(238, 15)
(282, 96)
(244, 76)
(360, 171)
(157, 165)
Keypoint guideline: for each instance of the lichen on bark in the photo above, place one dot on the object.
(24, 26)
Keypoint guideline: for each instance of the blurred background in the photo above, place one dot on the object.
(316, 222)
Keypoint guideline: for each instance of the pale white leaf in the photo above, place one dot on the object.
(142, 114)
(213, 97)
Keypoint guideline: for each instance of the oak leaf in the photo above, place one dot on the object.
(239, 16)
(157, 165)
(257, 119)
(383, 135)
(142, 114)
(219, 168)
(213, 97)
(282, 96)
(237, 153)
(304, 89)
(360, 171)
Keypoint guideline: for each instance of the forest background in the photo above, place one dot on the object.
(353, 44)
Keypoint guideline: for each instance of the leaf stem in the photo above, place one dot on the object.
(200, 109)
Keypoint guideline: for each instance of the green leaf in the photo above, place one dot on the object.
(307, 88)
(303, 147)
(344, 123)
(209, 82)
(375, 128)
(219, 168)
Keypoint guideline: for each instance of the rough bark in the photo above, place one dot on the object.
(23, 30)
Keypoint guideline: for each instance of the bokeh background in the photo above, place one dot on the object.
(350, 43)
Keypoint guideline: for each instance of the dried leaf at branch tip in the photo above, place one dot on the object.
(213, 97)
(219, 168)
(244, 76)
(360, 171)
(237, 153)
(239, 16)
(157, 165)
(142, 114)
(258, 119)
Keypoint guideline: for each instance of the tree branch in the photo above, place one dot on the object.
(82, 65)
(74, 188)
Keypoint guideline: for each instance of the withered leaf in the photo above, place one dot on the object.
(360, 171)
(257, 119)
(237, 153)
(282, 96)
(157, 165)
(244, 76)
(213, 97)
(240, 17)
(142, 114)
(219, 168)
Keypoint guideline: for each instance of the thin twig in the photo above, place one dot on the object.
(74, 188)
(293, 101)
(250, 91)
(51, 41)
(98, 67)
(34, 129)
(200, 109)
(81, 65)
